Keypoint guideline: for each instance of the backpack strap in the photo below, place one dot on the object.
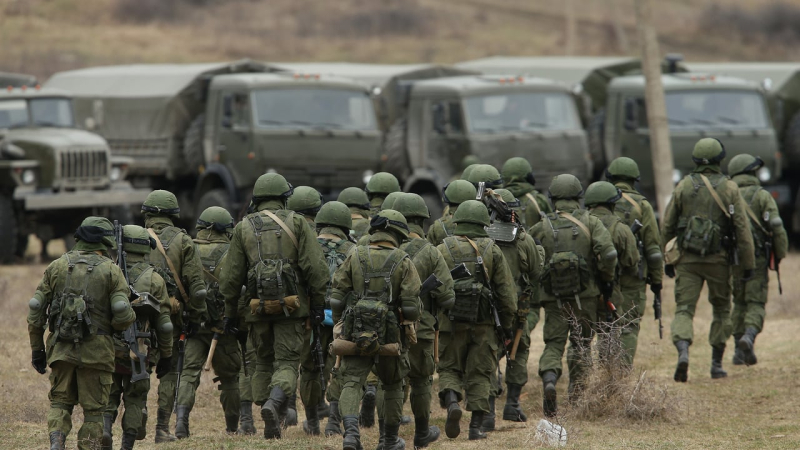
(283, 225)
(715, 195)
(480, 260)
(577, 222)
(633, 202)
(175, 275)
(535, 203)
(415, 247)
(753, 216)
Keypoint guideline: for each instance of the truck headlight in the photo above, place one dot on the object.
(28, 177)
(115, 174)
(676, 176)
(764, 174)
(365, 177)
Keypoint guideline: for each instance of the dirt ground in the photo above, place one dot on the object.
(753, 408)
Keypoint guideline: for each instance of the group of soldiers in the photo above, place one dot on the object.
(350, 303)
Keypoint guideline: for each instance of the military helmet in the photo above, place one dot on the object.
(508, 197)
(382, 183)
(469, 160)
(472, 211)
(97, 230)
(162, 202)
(335, 214)
(565, 186)
(388, 202)
(271, 185)
(458, 191)
(601, 192)
(216, 218)
(518, 169)
(305, 200)
(485, 173)
(708, 151)
(354, 197)
(468, 170)
(412, 206)
(623, 167)
(389, 219)
(135, 239)
(744, 163)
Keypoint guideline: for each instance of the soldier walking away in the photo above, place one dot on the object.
(246, 425)
(82, 299)
(179, 265)
(356, 199)
(485, 173)
(455, 193)
(139, 346)
(375, 299)
(708, 218)
(275, 253)
(518, 177)
(771, 246)
(480, 322)
(632, 207)
(307, 201)
(378, 187)
(580, 260)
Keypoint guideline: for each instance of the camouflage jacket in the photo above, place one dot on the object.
(625, 243)
(640, 209)
(212, 249)
(531, 203)
(360, 222)
(526, 265)
(442, 227)
(769, 226)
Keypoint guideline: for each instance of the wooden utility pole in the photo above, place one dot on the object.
(571, 28)
(656, 107)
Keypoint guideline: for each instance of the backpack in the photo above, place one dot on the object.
(702, 234)
(211, 260)
(567, 273)
(159, 261)
(147, 309)
(473, 295)
(335, 253)
(71, 310)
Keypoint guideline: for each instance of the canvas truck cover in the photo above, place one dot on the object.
(16, 80)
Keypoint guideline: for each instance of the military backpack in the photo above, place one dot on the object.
(568, 272)
(71, 310)
(473, 295)
(700, 230)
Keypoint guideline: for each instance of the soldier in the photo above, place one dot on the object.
(151, 305)
(80, 352)
(307, 201)
(455, 193)
(275, 253)
(487, 174)
(468, 167)
(580, 260)
(214, 227)
(378, 187)
(469, 337)
(708, 217)
(388, 203)
(519, 180)
(179, 265)
(356, 199)
(428, 261)
(375, 293)
(771, 245)
(632, 206)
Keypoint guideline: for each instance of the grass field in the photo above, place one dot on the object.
(754, 408)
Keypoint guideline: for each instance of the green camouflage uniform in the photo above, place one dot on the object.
(531, 202)
(443, 227)
(360, 222)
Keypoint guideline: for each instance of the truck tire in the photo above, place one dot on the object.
(596, 131)
(8, 231)
(214, 197)
(395, 151)
(193, 144)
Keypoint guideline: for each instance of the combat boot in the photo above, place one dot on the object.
(352, 436)
(57, 440)
(289, 412)
(128, 440)
(182, 422)
(311, 424)
(549, 396)
(424, 434)
(393, 441)
(682, 369)
(738, 354)
(270, 413)
(107, 441)
(231, 423)
(162, 427)
(716, 362)
(488, 417)
(452, 426)
(246, 426)
(143, 428)
(367, 415)
(333, 427)
(475, 425)
(323, 409)
(745, 344)
(512, 411)
(381, 434)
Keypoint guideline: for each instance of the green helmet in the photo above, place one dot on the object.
(708, 151)
(458, 191)
(97, 230)
(305, 200)
(162, 202)
(472, 211)
(601, 192)
(271, 185)
(388, 202)
(623, 167)
(412, 206)
(468, 170)
(487, 174)
(744, 163)
(135, 239)
(508, 197)
(216, 218)
(335, 214)
(469, 160)
(354, 197)
(389, 219)
(565, 186)
(518, 169)
(382, 183)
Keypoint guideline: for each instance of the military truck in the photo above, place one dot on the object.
(208, 131)
(52, 175)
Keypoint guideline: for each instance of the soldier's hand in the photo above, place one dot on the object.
(669, 270)
(192, 328)
(655, 288)
(509, 336)
(229, 326)
(317, 315)
(748, 275)
(39, 361)
(163, 366)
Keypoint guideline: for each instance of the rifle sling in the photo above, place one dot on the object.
(577, 222)
(175, 274)
(633, 203)
(755, 220)
(283, 225)
(715, 195)
(535, 203)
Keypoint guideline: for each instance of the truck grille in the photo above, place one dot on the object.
(84, 168)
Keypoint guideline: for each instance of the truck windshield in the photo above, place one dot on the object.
(13, 113)
(521, 111)
(314, 108)
(717, 108)
(47, 112)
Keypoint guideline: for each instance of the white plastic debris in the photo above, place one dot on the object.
(551, 434)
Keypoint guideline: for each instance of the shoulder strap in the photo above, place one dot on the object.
(715, 195)
(752, 214)
(175, 275)
(633, 202)
(283, 225)
(480, 259)
(415, 247)
(535, 203)
(577, 222)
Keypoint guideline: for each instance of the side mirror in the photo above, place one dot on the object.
(630, 114)
(439, 119)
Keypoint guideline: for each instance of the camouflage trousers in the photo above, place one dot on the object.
(568, 323)
(517, 370)
(166, 385)
(750, 299)
(391, 370)
(246, 373)
(278, 346)
(72, 385)
(631, 309)
(688, 284)
(226, 363)
(467, 360)
(310, 388)
(134, 398)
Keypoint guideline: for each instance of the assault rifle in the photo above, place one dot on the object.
(774, 264)
(432, 282)
(635, 227)
(319, 355)
(181, 357)
(657, 311)
(132, 334)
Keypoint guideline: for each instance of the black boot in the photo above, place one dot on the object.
(246, 426)
(716, 362)
(549, 397)
(128, 439)
(270, 413)
(452, 426)
(367, 416)
(475, 423)
(289, 413)
(107, 441)
(57, 440)
(393, 440)
(512, 410)
(143, 428)
(311, 424)
(182, 422)
(381, 434)
(162, 427)
(333, 426)
(352, 437)
(231, 423)
(682, 369)
(745, 345)
(738, 354)
(488, 417)
(424, 434)
(323, 409)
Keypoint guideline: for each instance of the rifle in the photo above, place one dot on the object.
(635, 227)
(657, 311)
(774, 264)
(181, 357)
(319, 355)
(432, 282)
(518, 336)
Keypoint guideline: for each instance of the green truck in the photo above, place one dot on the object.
(52, 174)
(208, 131)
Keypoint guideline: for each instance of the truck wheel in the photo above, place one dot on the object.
(596, 133)
(193, 144)
(215, 197)
(435, 208)
(8, 231)
(395, 151)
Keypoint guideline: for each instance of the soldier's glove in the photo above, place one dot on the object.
(607, 289)
(669, 270)
(655, 288)
(748, 275)
(39, 361)
(192, 328)
(163, 366)
(317, 315)
(229, 326)
(509, 336)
